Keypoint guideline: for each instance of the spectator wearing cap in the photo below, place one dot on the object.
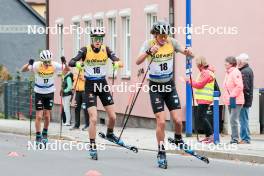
(248, 82)
(233, 95)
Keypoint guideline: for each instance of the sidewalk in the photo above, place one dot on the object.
(145, 139)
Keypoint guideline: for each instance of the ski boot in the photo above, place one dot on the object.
(162, 161)
(180, 143)
(39, 141)
(93, 154)
(113, 138)
(44, 139)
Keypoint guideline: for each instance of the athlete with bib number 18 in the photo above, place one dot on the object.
(159, 53)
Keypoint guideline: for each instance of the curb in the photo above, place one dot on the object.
(209, 154)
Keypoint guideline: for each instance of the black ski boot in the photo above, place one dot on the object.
(162, 161)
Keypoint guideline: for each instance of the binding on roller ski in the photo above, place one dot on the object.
(128, 108)
(188, 150)
(119, 142)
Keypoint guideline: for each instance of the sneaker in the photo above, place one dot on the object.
(234, 141)
(74, 128)
(204, 140)
(208, 140)
(67, 124)
(85, 128)
(114, 138)
(244, 142)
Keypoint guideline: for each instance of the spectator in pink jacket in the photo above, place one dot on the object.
(233, 95)
(204, 85)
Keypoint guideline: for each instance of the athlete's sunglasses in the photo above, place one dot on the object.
(46, 62)
(97, 39)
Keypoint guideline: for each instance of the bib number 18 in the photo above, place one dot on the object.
(163, 67)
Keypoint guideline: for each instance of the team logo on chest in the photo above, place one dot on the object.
(45, 72)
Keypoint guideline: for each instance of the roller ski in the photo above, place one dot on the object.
(188, 150)
(93, 154)
(112, 138)
(162, 161)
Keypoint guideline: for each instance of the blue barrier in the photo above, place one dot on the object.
(216, 117)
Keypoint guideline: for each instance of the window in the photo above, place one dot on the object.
(127, 45)
(87, 39)
(112, 33)
(76, 37)
(99, 16)
(60, 48)
(99, 23)
(151, 19)
(112, 40)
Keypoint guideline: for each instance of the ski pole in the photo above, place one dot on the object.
(133, 102)
(30, 105)
(132, 95)
(113, 77)
(75, 85)
(196, 130)
(62, 77)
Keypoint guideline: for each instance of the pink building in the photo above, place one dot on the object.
(127, 25)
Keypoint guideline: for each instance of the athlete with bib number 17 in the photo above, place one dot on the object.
(159, 53)
(44, 72)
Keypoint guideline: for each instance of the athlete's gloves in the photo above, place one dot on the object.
(31, 61)
(63, 60)
(117, 65)
(79, 65)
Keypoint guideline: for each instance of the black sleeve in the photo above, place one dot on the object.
(246, 81)
(111, 55)
(247, 76)
(81, 55)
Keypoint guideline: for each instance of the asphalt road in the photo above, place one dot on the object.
(112, 162)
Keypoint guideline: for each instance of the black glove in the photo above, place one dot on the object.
(63, 60)
(31, 61)
(148, 52)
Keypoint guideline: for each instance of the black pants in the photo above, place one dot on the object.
(63, 116)
(80, 100)
(204, 113)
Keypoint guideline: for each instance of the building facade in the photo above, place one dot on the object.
(224, 28)
(16, 44)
